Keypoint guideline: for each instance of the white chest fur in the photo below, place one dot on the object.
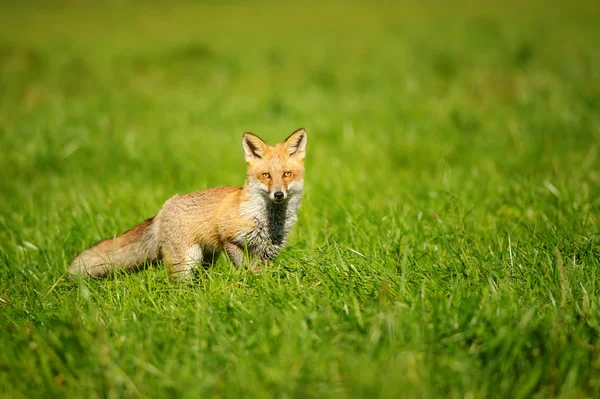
(273, 223)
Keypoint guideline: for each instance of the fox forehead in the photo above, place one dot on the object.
(277, 158)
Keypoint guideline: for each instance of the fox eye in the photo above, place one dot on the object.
(287, 174)
(267, 175)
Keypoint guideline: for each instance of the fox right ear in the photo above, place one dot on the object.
(254, 147)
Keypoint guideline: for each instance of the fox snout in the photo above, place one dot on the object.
(278, 196)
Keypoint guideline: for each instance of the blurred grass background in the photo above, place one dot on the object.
(448, 243)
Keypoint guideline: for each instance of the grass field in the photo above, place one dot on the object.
(449, 240)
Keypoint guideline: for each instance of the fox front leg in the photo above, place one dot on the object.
(236, 254)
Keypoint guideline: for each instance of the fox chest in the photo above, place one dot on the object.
(264, 239)
(270, 226)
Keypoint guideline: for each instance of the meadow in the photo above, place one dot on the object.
(448, 244)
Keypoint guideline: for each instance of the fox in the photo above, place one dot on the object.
(249, 223)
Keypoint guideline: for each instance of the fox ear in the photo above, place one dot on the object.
(296, 143)
(254, 147)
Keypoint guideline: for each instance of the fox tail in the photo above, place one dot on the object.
(128, 251)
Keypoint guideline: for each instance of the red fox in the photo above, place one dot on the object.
(195, 228)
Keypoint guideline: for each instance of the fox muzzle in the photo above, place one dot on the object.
(278, 196)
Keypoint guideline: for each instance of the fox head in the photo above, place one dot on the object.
(277, 172)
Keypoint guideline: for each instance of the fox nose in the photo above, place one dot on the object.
(278, 195)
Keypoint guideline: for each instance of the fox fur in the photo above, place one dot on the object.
(193, 229)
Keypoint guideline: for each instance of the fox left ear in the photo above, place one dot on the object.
(296, 143)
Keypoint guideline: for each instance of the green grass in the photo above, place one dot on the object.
(448, 244)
